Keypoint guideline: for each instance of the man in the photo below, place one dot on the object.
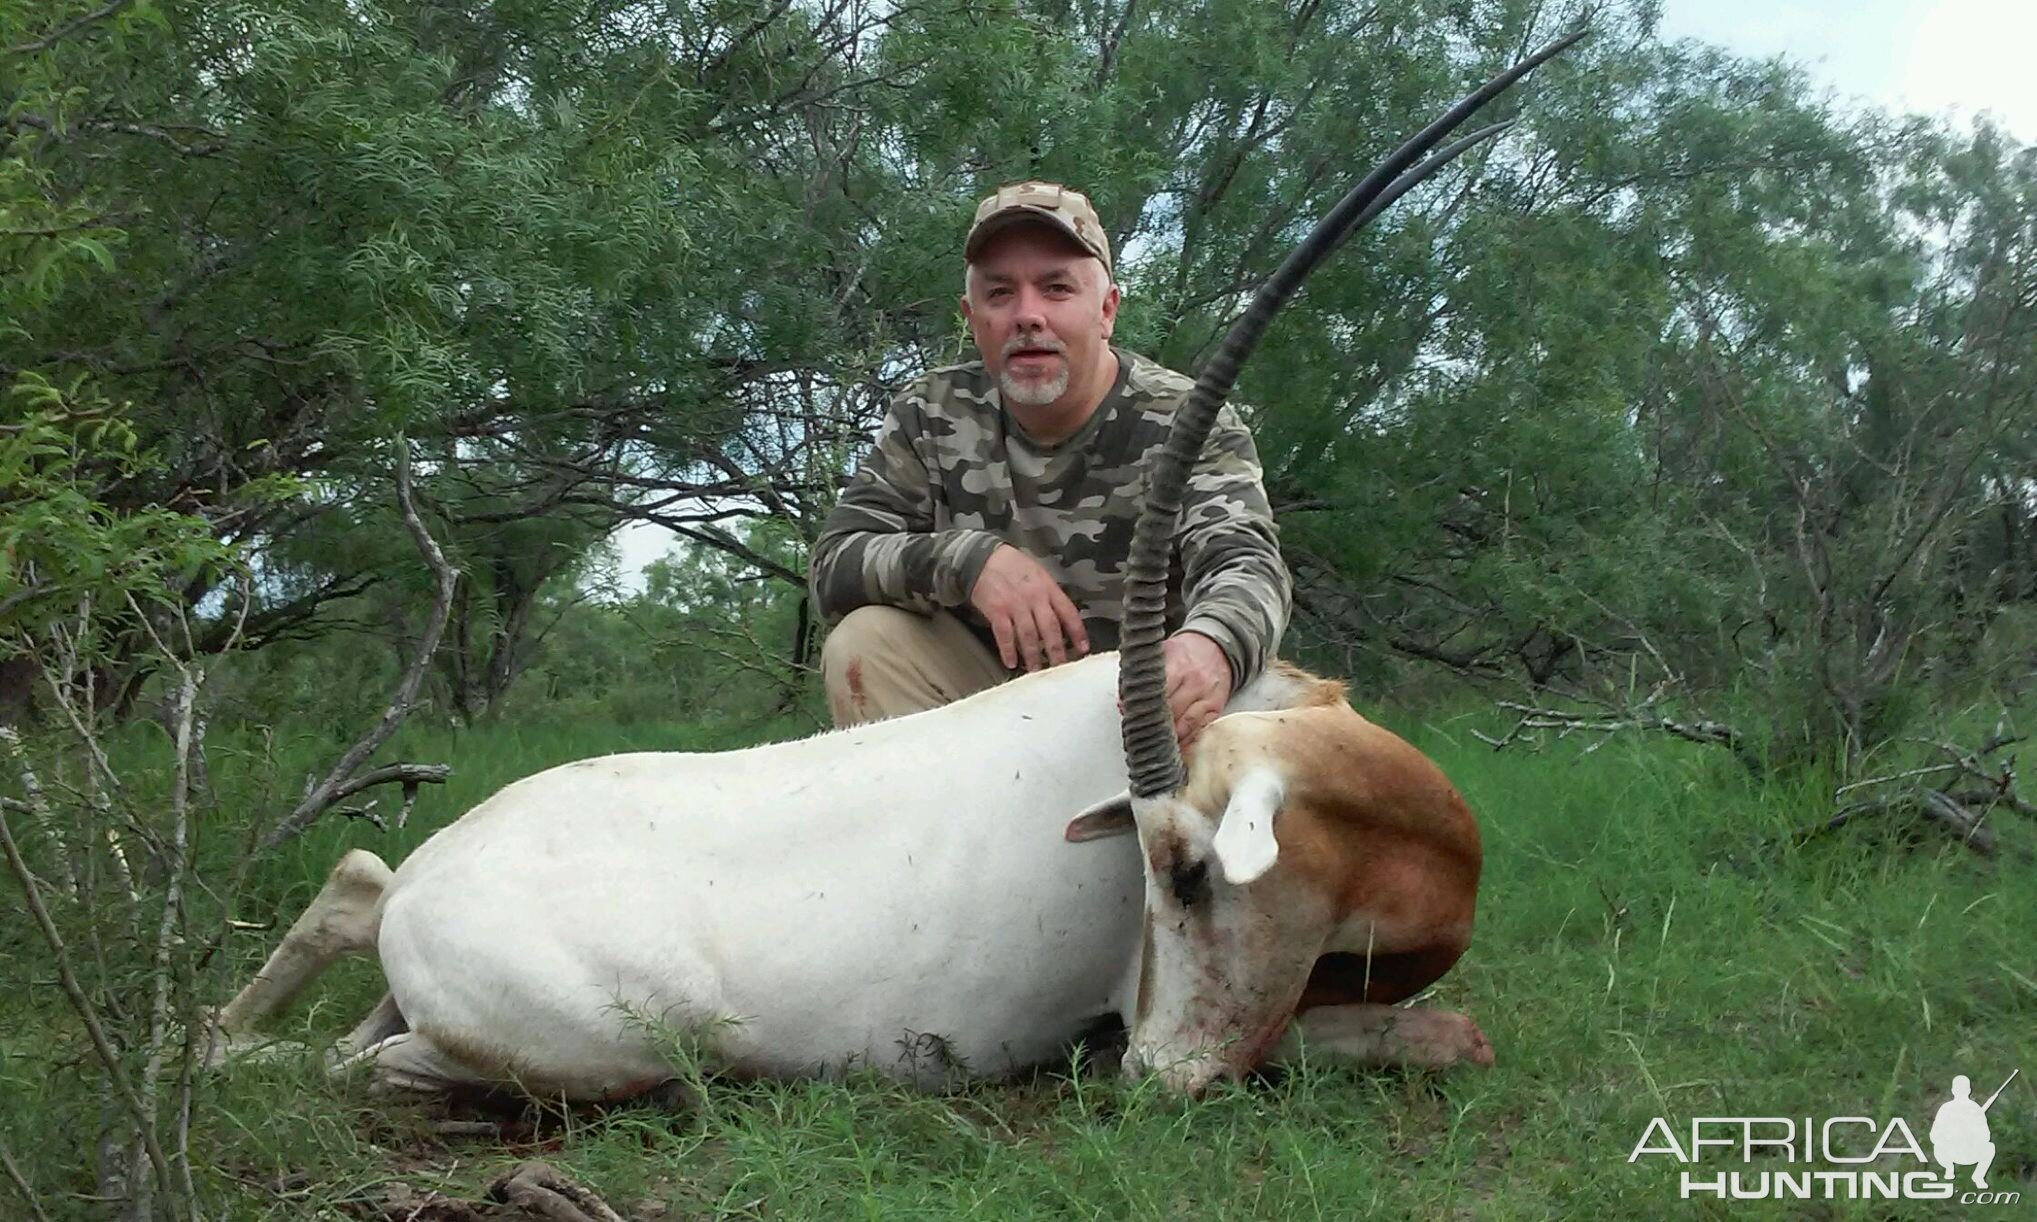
(987, 530)
(1959, 1133)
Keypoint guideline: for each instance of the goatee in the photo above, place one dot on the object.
(1036, 392)
(1032, 392)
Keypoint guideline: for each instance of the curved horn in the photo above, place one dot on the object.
(1152, 756)
(1442, 157)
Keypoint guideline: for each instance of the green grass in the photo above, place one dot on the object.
(1649, 945)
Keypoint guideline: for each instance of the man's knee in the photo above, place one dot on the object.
(867, 631)
(883, 662)
(862, 660)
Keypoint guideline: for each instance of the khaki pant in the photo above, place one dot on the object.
(884, 662)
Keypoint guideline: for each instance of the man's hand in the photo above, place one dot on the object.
(1027, 611)
(1198, 682)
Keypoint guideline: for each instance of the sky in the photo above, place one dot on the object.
(1934, 56)
(1946, 57)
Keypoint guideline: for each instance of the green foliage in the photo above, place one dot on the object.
(707, 637)
(1559, 417)
(60, 547)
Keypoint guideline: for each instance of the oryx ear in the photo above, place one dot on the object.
(1244, 843)
(1110, 817)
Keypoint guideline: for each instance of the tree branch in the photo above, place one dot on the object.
(69, 28)
(329, 791)
(101, 1046)
(724, 541)
(410, 776)
(21, 1184)
(148, 130)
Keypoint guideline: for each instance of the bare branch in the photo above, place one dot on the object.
(1717, 733)
(162, 134)
(1895, 776)
(38, 810)
(738, 40)
(69, 28)
(1109, 41)
(542, 1192)
(279, 621)
(21, 1184)
(1928, 804)
(410, 776)
(68, 980)
(727, 542)
(328, 791)
(174, 866)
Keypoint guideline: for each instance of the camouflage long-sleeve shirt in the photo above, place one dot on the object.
(951, 476)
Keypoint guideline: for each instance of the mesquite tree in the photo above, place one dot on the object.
(1689, 381)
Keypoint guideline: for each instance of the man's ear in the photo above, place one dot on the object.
(1110, 817)
(1111, 297)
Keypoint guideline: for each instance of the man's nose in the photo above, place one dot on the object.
(1031, 311)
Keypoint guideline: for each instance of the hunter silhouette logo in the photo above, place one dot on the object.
(1835, 1158)
(1959, 1133)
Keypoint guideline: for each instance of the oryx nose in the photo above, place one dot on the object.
(1192, 1076)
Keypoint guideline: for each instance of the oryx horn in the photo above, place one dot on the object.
(1151, 754)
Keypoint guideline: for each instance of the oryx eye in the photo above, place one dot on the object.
(1190, 883)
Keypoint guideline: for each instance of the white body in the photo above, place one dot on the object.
(940, 895)
(898, 896)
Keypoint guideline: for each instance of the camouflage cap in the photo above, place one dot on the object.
(1033, 201)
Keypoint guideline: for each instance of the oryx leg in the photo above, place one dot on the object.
(382, 1022)
(342, 920)
(409, 1062)
(1371, 1034)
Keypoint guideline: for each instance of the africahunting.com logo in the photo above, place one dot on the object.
(1849, 1158)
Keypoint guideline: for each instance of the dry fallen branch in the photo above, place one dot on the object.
(542, 1192)
(399, 1202)
(1565, 723)
(1928, 805)
(530, 1192)
(1962, 811)
(1971, 828)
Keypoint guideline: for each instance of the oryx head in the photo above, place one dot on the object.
(1231, 929)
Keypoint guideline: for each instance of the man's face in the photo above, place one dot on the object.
(1041, 313)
